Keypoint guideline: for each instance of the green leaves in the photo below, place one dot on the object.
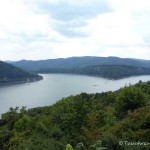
(97, 146)
(98, 121)
(129, 99)
(22, 124)
(69, 147)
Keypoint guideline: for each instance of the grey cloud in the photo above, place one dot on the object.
(147, 39)
(71, 33)
(66, 11)
(69, 17)
(75, 23)
(141, 15)
(31, 37)
(70, 28)
(25, 38)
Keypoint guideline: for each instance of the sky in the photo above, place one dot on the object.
(47, 29)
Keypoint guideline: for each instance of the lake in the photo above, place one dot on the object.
(54, 87)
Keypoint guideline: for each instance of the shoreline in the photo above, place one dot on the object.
(92, 75)
(20, 82)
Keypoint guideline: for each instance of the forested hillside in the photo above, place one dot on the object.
(106, 71)
(76, 62)
(109, 120)
(11, 74)
(107, 67)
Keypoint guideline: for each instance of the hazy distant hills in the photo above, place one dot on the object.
(79, 62)
(110, 67)
(106, 71)
(12, 74)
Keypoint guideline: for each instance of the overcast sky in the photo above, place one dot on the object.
(44, 29)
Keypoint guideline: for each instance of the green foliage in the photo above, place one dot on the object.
(69, 147)
(37, 142)
(41, 128)
(106, 71)
(86, 121)
(80, 146)
(22, 124)
(110, 141)
(12, 74)
(135, 126)
(129, 99)
(97, 146)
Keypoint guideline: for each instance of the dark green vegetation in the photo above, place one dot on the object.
(109, 67)
(10, 74)
(75, 62)
(92, 121)
(106, 71)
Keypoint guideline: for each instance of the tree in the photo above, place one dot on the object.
(69, 147)
(22, 123)
(129, 99)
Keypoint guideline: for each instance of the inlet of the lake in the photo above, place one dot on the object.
(54, 87)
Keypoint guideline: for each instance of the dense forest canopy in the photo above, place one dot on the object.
(12, 74)
(83, 122)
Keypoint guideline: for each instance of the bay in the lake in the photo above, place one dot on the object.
(56, 86)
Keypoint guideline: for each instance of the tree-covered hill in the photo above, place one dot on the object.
(112, 121)
(11, 74)
(108, 67)
(76, 62)
(106, 71)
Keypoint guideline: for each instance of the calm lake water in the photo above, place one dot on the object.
(56, 86)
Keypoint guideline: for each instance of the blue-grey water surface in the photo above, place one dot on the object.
(56, 86)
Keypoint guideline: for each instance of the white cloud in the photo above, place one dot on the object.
(43, 29)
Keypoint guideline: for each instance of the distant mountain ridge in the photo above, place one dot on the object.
(10, 74)
(73, 62)
(110, 67)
